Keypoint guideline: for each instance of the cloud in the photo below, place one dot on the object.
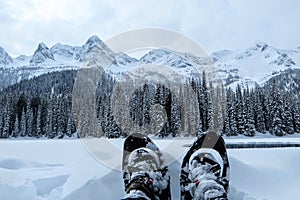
(215, 24)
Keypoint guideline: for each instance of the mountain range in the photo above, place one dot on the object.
(254, 65)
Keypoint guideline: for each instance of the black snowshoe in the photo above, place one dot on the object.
(205, 169)
(145, 173)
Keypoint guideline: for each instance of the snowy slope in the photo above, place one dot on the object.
(57, 58)
(166, 62)
(5, 59)
(255, 64)
(63, 169)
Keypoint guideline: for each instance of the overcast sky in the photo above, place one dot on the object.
(214, 24)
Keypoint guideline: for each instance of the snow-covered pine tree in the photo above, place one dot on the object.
(287, 115)
(193, 113)
(29, 120)
(1, 120)
(197, 87)
(38, 122)
(239, 110)
(259, 114)
(61, 117)
(276, 111)
(44, 117)
(175, 115)
(217, 120)
(55, 114)
(6, 124)
(49, 121)
(249, 112)
(119, 104)
(34, 104)
(184, 111)
(230, 122)
(23, 131)
(16, 130)
(206, 102)
(295, 106)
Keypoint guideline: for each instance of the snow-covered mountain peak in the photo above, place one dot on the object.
(221, 55)
(257, 49)
(256, 64)
(63, 50)
(124, 59)
(259, 45)
(5, 59)
(94, 47)
(94, 40)
(42, 46)
(166, 57)
(21, 57)
(41, 54)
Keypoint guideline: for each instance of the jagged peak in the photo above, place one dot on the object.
(42, 46)
(5, 58)
(123, 59)
(2, 51)
(61, 47)
(41, 54)
(259, 45)
(158, 53)
(221, 53)
(94, 39)
(58, 45)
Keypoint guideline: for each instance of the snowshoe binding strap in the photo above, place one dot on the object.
(142, 183)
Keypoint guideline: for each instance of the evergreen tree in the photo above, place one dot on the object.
(259, 114)
(38, 122)
(29, 122)
(1, 122)
(230, 127)
(276, 111)
(288, 126)
(23, 131)
(16, 129)
(55, 114)
(239, 110)
(49, 120)
(296, 114)
(206, 103)
(6, 124)
(249, 113)
(70, 125)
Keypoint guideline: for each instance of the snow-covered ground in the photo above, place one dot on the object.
(64, 169)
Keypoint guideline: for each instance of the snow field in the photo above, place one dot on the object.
(64, 169)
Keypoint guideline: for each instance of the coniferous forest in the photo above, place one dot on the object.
(42, 108)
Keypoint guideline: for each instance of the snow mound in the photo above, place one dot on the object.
(19, 192)
(17, 164)
(44, 186)
(234, 194)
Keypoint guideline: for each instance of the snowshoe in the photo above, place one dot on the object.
(205, 169)
(145, 173)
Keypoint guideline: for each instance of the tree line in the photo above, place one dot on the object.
(42, 108)
(39, 108)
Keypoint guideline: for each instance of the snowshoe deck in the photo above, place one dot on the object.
(136, 141)
(207, 141)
